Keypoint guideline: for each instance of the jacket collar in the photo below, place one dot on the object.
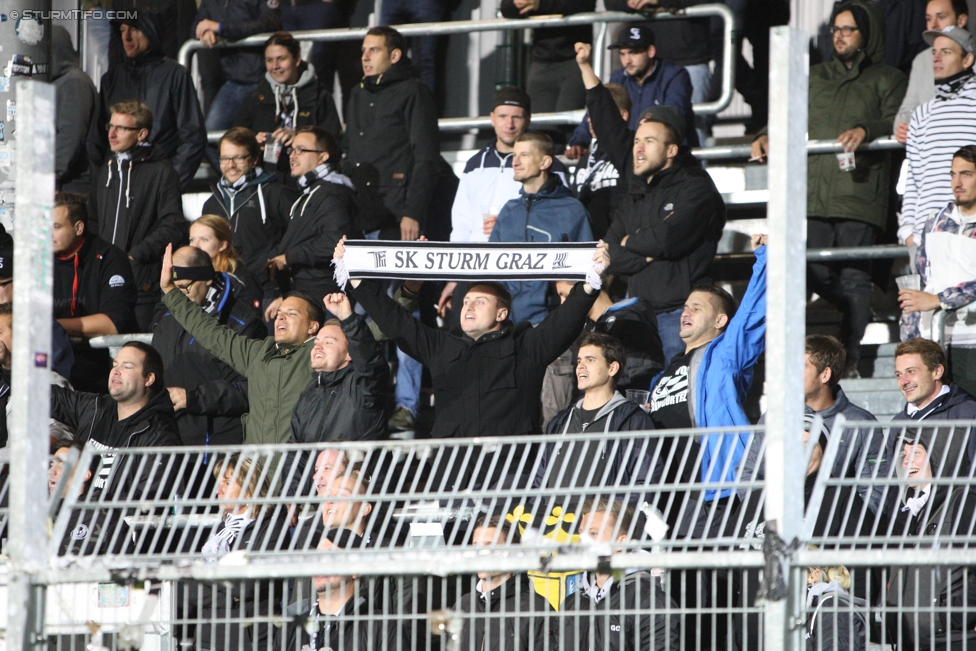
(332, 378)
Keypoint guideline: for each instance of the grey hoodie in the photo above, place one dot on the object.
(76, 100)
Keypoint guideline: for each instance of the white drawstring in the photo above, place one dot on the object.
(128, 182)
(264, 215)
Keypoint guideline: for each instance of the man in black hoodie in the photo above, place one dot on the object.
(76, 104)
(135, 202)
(665, 232)
(147, 76)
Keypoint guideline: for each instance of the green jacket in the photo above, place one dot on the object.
(868, 95)
(276, 373)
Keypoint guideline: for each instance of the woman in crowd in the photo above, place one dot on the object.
(212, 233)
(836, 621)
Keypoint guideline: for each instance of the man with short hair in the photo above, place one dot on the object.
(944, 260)
(920, 366)
(938, 129)
(94, 293)
(209, 396)
(665, 234)
(277, 368)
(135, 201)
(146, 75)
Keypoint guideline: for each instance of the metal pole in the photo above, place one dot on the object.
(786, 297)
(31, 392)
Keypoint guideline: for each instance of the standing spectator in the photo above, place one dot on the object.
(546, 212)
(76, 102)
(208, 395)
(938, 129)
(254, 203)
(391, 142)
(94, 293)
(212, 234)
(920, 366)
(904, 23)
(289, 96)
(939, 14)
(320, 218)
(301, 15)
(147, 76)
(553, 82)
(243, 68)
(944, 261)
(137, 205)
(665, 233)
(425, 49)
(173, 17)
(853, 99)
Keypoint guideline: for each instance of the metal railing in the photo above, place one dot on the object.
(739, 152)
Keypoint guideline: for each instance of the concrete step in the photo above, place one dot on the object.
(878, 395)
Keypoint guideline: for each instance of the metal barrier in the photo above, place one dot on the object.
(740, 152)
(144, 534)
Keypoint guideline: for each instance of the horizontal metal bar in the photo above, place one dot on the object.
(117, 341)
(911, 556)
(880, 252)
(734, 152)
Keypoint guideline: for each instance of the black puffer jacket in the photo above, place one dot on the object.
(392, 147)
(166, 88)
(240, 19)
(512, 617)
(676, 219)
(216, 395)
(135, 204)
(76, 103)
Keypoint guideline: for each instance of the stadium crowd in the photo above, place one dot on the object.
(255, 341)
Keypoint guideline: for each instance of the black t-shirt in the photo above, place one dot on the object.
(669, 399)
(587, 415)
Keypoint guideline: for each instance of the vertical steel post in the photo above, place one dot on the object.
(31, 370)
(786, 299)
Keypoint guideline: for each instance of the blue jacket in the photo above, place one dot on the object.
(669, 84)
(722, 378)
(550, 215)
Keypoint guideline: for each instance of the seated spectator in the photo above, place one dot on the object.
(319, 218)
(89, 531)
(665, 251)
(944, 262)
(254, 203)
(137, 206)
(853, 99)
(939, 14)
(146, 75)
(546, 212)
(289, 96)
(593, 618)
(504, 612)
(920, 367)
(94, 292)
(277, 368)
(208, 395)
(212, 234)
(938, 129)
(835, 620)
(76, 107)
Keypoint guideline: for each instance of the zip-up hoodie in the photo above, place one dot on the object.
(77, 102)
(512, 617)
(550, 215)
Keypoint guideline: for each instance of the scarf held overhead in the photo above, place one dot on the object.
(482, 261)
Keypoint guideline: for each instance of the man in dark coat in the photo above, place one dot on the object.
(135, 202)
(209, 396)
(147, 76)
(77, 102)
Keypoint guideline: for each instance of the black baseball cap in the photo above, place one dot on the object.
(6, 254)
(633, 37)
(668, 115)
(512, 96)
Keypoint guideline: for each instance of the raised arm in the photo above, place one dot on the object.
(612, 132)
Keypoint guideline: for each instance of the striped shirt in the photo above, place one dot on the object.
(938, 129)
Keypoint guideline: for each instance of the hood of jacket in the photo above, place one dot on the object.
(612, 404)
(150, 24)
(63, 55)
(865, 13)
(306, 77)
(399, 71)
(551, 189)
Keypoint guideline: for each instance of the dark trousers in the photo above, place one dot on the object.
(317, 15)
(555, 86)
(847, 284)
(423, 49)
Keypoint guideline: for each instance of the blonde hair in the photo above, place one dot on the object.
(248, 472)
(227, 260)
(838, 574)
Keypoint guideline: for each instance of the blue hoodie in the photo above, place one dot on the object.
(550, 215)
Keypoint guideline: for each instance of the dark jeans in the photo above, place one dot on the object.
(555, 86)
(846, 285)
(318, 15)
(423, 48)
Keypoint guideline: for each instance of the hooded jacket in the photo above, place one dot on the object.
(676, 219)
(276, 373)
(868, 96)
(392, 147)
(216, 395)
(136, 205)
(549, 215)
(240, 19)
(594, 613)
(835, 619)
(318, 219)
(258, 214)
(955, 405)
(76, 100)
(512, 617)
(166, 88)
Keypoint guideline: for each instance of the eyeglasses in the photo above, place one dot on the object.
(240, 160)
(846, 30)
(119, 127)
(298, 151)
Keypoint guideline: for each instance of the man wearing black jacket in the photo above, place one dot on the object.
(666, 231)
(391, 141)
(209, 396)
(94, 293)
(135, 202)
(146, 75)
